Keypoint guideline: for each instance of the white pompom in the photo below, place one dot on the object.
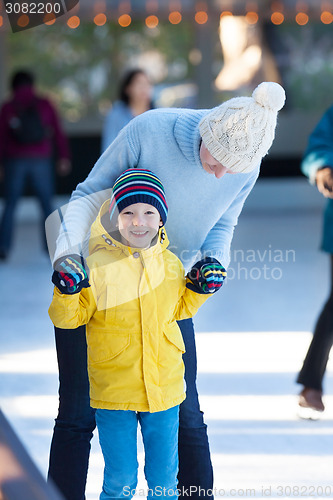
(270, 94)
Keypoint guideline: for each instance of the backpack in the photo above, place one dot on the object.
(26, 125)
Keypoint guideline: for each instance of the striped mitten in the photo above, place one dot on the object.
(206, 276)
(70, 274)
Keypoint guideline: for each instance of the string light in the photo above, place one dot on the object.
(201, 17)
(23, 21)
(302, 18)
(326, 17)
(73, 22)
(151, 21)
(100, 19)
(124, 20)
(175, 17)
(252, 17)
(277, 18)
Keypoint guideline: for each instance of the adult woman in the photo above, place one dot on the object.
(135, 97)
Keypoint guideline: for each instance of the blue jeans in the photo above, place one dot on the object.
(17, 172)
(75, 423)
(117, 430)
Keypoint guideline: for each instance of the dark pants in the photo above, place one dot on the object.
(17, 172)
(75, 423)
(314, 366)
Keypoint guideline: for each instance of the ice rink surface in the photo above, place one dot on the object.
(251, 339)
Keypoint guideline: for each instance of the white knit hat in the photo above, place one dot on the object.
(239, 132)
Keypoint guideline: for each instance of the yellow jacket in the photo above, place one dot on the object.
(135, 346)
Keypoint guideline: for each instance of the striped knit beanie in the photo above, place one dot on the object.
(137, 185)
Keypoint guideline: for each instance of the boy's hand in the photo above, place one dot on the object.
(70, 274)
(206, 276)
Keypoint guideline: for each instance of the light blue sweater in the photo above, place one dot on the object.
(203, 210)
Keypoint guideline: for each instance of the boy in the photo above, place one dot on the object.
(136, 292)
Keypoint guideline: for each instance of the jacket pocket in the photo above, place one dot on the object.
(104, 346)
(173, 334)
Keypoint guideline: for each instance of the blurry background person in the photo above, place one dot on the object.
(317, 164)
(30, 136)
(135, 97)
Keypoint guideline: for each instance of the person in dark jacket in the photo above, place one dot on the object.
(317, 165)
(30, 136)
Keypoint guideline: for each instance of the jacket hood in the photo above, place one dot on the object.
(101, 238)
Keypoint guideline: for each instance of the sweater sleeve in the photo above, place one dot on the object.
(218, 241)
(319, 151)
(89, 195)
(72, 311)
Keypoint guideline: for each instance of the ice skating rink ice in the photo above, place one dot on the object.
(251, 339)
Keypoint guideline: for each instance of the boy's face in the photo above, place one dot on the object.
(138, 224)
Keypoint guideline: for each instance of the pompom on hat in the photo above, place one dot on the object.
(239, 132)
(138, 185)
